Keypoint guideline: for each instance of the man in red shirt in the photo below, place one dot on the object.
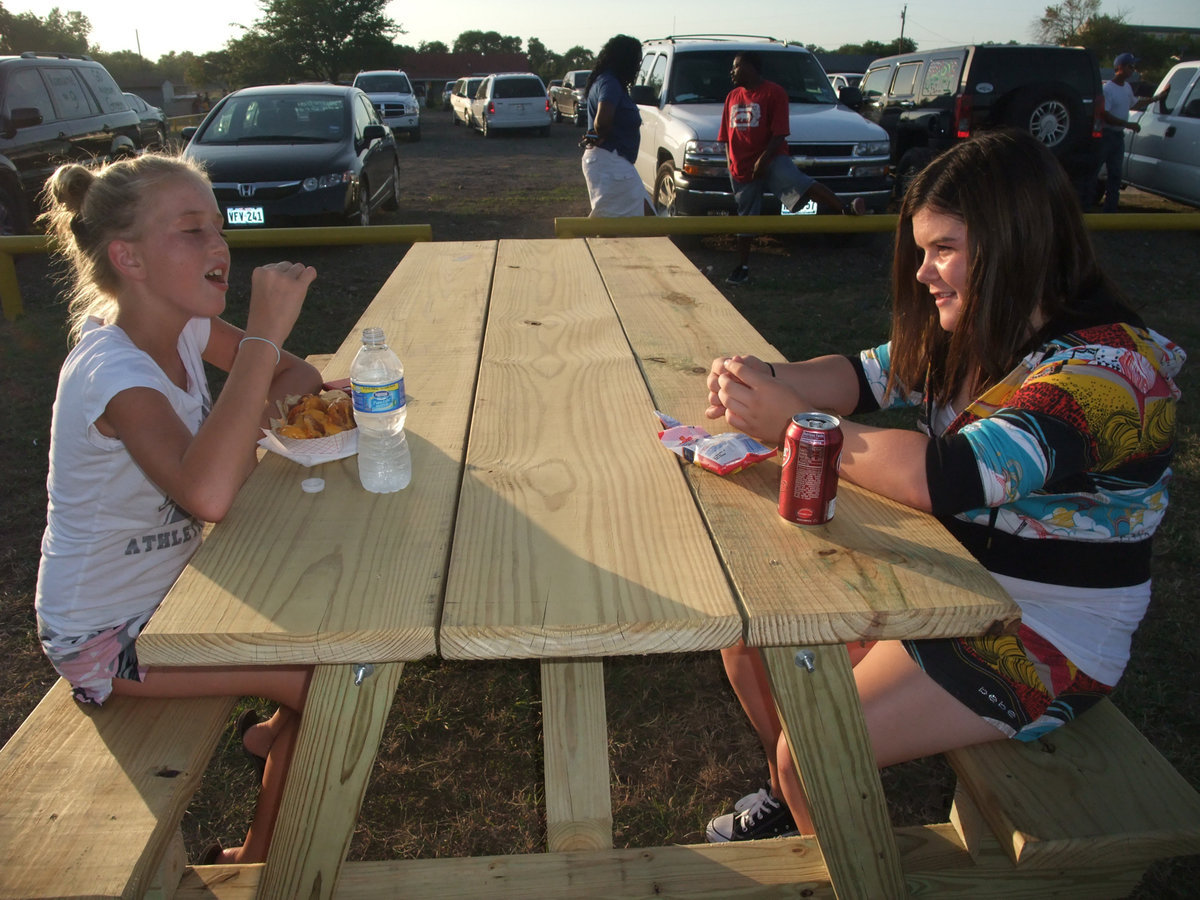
(754, 129)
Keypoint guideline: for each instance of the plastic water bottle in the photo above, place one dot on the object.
(380, 408)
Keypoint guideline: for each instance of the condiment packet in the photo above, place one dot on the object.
(724, 453)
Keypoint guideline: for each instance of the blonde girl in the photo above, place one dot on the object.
(140, 455)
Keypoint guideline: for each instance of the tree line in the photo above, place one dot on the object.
(330, 40)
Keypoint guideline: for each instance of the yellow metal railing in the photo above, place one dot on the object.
(10, 290)
(644, 226)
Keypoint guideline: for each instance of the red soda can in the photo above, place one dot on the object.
(812, 454)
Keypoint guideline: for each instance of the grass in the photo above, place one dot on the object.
(459, 770)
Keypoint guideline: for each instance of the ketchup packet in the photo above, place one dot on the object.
(724, 453)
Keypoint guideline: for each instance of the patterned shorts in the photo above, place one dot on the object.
(1019, 683)
(91, 661)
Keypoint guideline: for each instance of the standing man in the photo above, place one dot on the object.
(1119, 101)
(754, 129)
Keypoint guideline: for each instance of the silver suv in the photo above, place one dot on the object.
(55, 109)
(681, 90)
(392, 95)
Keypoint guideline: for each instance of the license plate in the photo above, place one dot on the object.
(244, 215)
(519, 107)
(808, 209)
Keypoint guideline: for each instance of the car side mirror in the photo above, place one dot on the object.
(644, 94)
(25, 117)
(374, 132)
(851, 97)
(188, 133)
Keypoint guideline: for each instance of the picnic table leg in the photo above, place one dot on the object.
(339, 737)
(823, 722)
(575, 732)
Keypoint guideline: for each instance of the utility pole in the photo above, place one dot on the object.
(900, 43)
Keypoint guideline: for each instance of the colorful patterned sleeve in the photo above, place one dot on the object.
(1084, 419)
(873, 366)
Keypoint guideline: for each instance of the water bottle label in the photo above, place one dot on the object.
(378, 398)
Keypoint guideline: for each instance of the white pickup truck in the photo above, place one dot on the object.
(680, 91)
(1164, 156)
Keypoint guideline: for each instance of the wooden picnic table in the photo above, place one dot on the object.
(545, 521)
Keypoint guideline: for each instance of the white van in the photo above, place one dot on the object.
(680, 91)
(1164, 157)
(392, 95)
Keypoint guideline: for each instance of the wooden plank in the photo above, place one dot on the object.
(296, 577)
(823, 723)
(339, 737)
(1127, 804)
(575, 733)
(878, 570)
(575, 534)
(93, 797)
(935, 865)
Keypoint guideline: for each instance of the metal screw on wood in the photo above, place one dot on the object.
(805, 660)
(361, 671)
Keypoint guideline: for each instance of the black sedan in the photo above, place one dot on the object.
(284, 155)
(153, 126)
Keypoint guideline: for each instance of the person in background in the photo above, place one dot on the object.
(754, 128)
(614, 132)
(1045, 436)
(140, 456)
(1119, 101)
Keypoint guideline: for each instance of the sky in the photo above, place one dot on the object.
(157, 28)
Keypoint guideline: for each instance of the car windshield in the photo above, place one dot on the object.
(703, 76)
(276, 119)
(506, 88)
(386, 83)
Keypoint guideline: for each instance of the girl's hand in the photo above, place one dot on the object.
(277, 292)
(720, 367)
(755, 402)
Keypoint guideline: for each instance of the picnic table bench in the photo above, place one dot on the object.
(534, 528)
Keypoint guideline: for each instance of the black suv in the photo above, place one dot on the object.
(54, 109)
(929, 100)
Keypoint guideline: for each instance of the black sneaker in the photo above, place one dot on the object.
(765, 817)
(740, 275)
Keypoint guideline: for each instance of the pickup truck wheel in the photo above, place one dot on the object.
(911, 163)
(13, 219)
(664, 190)
(580, 115)
(1049, 117)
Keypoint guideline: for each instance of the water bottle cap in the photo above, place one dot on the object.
(373, 335)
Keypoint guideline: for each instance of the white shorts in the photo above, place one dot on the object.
(614, 187)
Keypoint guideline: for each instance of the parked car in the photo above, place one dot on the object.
(839, 80)
(509, 101)
(930, 100)
(447, 90)
(567, 100)
(462, 98)
(153, 121)
(392, 95)
(681, 90)
(290, 154)
(55, 109)
(1164, 157)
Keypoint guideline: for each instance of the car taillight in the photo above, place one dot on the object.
(962, 116)
(547, 104)
(491, 110)
(1098, 118)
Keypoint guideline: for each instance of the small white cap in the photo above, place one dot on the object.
(312, 485)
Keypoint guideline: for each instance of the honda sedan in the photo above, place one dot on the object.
(285, 155)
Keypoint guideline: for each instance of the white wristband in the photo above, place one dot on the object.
(251, 337)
